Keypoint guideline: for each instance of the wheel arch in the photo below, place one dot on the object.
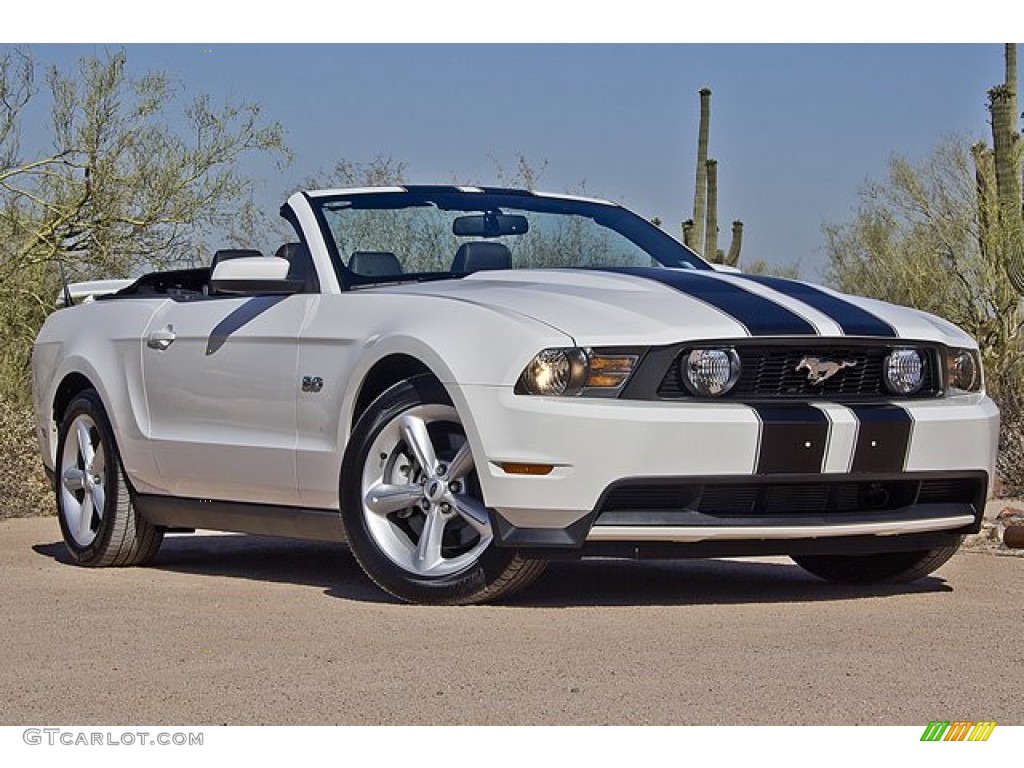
(383, 375)
(72, 385)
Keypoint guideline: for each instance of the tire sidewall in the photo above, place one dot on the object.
(88, 403)
(453, 588)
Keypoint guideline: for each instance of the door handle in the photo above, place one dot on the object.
(161, 340)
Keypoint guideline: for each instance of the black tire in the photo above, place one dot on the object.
(883, 568)
(100, 528)
(390, 545)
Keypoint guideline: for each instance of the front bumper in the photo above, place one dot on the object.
(598, 445)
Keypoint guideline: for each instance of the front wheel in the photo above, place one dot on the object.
(412, 506)
(885, 567)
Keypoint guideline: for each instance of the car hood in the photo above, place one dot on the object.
(663, 306)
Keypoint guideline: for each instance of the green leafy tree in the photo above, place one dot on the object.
(121, 185)
(916, 239)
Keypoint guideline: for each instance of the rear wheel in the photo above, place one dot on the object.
(412, 506)
(98, 520)
(885, 567)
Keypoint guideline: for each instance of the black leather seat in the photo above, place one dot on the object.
(375, 263)
(478, 255)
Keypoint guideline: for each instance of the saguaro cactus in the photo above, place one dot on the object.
(711, 233)
(1002, 104)
(701, 186)
(1010, 56)
(701, 232)
(732, 258)
(688, 238)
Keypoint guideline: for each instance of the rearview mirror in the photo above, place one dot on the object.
(490, 225)
(254, 275)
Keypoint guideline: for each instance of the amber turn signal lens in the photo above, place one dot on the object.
(609, 371)
(605, 380)
(612, 363)
(527, 469)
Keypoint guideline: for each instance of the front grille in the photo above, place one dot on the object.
(770, 371)
(770, 497)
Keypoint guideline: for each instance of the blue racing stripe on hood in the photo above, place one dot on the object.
(759, 315)
(852, 319)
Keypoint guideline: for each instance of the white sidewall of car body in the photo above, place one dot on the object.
(101, 341)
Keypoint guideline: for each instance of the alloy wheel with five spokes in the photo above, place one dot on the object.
(82, 480)
(412, 506)
(416, 493)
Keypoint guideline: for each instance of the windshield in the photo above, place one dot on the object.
(423, 234)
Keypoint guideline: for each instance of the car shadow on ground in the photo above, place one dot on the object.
(599, 582)
(258, 558)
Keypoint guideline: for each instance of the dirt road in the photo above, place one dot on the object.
(244, 630)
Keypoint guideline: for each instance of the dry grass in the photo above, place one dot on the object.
(26, 490)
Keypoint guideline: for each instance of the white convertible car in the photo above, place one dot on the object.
(464, 383)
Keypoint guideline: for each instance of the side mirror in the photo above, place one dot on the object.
(254, 275)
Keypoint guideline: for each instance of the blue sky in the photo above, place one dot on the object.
(797, 129)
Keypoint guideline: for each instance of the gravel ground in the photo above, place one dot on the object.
(248, 630)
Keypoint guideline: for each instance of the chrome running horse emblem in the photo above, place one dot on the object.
(820, 370)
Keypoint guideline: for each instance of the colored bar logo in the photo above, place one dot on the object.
(959, 730)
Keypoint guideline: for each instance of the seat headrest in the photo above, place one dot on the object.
(375, 263)
(479, 254)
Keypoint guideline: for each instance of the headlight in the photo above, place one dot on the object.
(963, 370)
(904, 371)
(555, 372)
(710, 371)
(575, 370)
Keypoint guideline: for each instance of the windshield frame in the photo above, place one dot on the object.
(661, 246)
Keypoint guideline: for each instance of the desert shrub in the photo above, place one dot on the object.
(26, 489)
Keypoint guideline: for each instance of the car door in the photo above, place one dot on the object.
(221, 385)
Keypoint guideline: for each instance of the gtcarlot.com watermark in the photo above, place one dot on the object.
(68, 737)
